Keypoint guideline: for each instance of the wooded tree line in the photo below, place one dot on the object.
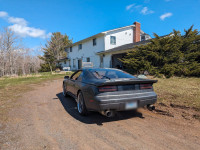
(172, 55)
(15, 59)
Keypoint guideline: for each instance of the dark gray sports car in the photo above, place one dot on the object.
(108, 90)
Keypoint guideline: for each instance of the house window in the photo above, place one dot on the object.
(113, 40)
(66, 49)
(70, 49)
(74, 63)
(94, 42)
(143, 38)
(88, 59)
(65, 62)
(80, 46)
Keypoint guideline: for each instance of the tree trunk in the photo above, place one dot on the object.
(50, 68)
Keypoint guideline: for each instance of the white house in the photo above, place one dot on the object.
(104, 49)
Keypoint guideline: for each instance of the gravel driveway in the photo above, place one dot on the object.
(47, 120)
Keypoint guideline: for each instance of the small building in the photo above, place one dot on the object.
(104, 49)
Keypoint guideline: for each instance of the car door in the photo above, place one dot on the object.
(78, 83)
(70, 83)
(74, 82)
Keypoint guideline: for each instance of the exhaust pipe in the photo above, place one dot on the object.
(107, 113)
(151, 107)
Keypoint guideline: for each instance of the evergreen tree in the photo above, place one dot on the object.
(54, 50)
(170, 55)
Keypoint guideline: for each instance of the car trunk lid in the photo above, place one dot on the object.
(126, 85)
(127, 81)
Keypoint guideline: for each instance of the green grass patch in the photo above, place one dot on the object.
(33, 78)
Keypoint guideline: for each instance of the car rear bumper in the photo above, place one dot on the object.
(118, 101)
(122, 105)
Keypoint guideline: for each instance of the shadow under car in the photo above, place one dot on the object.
(70, 107)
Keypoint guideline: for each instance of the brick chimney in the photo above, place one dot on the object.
(136, 32)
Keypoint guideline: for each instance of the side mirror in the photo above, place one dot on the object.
(66, 77)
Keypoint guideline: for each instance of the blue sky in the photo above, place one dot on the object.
(35, 20)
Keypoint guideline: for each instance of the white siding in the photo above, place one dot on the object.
(107, 61)
(88, 50)
(123, 36)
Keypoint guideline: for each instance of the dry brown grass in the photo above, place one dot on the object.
(8, 99)
(11, 88)
(183, 92)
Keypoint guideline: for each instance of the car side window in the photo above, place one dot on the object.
(76, 75)
(80, 76)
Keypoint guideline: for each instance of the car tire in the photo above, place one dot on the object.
(81, 105)
(64, 91)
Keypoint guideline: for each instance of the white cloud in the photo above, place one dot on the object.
(129, 6)
(139, 8)
(25, 31)
(3, 14)
(166, 15)
(21, 28)
(20, 21)
(146, 11)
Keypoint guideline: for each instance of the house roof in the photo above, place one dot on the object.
(87, 39)
(99, 34)
(62, 59)
(128, 47)
(125, 47)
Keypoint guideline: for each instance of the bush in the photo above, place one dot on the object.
(172, 55)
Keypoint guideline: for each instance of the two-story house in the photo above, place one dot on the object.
(104, 49)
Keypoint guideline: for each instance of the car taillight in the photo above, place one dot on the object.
(107, 88)
(145, 86)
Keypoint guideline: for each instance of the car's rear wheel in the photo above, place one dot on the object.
(81, 104)
(64, 91)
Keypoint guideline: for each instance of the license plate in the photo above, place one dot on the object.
(131, 105)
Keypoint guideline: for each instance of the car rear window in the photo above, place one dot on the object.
(110, 74)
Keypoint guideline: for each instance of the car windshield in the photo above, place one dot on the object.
(110, 74)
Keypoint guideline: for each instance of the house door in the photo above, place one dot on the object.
(79, 63)
(101, 61)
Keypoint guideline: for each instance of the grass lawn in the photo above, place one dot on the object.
(12, 87)
(33, 78)
(179, 91)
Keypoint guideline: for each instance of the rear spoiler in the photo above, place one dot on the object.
(128, 82)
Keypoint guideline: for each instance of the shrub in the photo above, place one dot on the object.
(172, 55)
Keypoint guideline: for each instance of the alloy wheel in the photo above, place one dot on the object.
(80, 103)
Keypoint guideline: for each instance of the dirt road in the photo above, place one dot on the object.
(47, 120)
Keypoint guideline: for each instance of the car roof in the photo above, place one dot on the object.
(100, 69)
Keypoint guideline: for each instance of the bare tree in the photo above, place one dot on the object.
(2, 57)
(14, 58)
